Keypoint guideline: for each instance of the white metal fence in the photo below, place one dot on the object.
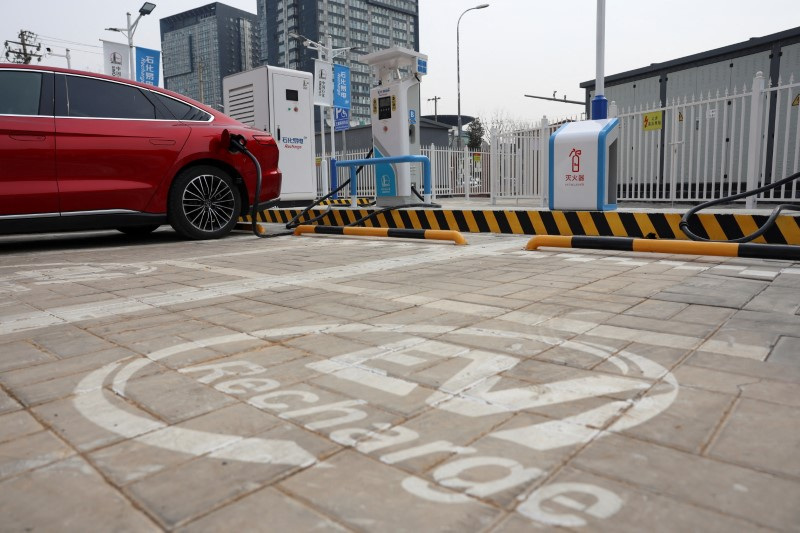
(707, 147)
(713, 146)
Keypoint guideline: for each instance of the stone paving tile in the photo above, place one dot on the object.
(675, 325)
(764, 499)
(69, 341)
(763, 436)
(269, 508)
(65, 367)
(688, 423)
(745, 366)
(656, 309)
(786, 351)
(21, 354)
(31, 451)
(17, 424)
(67, 496)
(63, 418)
(579, 500)
(377, 501)
(775, 299)
(135, 459)
(7, 403)
(174, 397)
(207, 483)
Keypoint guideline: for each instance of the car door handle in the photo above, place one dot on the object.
(23, 137)
(162, 142)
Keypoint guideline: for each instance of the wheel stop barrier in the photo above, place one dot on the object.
(438, 235)
(668, 246)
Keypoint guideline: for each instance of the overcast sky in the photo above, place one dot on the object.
(511, 48)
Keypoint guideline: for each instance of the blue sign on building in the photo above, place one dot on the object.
(422, 66)
(341, 86)
(147, 62)
(341, 119)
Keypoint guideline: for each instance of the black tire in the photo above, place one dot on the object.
(204, 203)
(139, 231)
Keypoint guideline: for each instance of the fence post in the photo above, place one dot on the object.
(494, 165)
(434, 165)
(755, 139)
(543, 176)
(612, 109)
(467, 179)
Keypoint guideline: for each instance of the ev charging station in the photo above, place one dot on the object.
(395, 121)
(279, 100)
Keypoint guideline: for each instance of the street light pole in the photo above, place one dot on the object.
(458, 67)
(458, 84)
(146, 9)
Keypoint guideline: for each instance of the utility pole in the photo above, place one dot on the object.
(27, 49)
(435, 107)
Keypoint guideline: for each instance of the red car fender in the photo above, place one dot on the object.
(205, 148)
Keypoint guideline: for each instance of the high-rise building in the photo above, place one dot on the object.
(203, 45)
(367, 25)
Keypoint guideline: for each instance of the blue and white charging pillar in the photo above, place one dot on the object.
(395, 121)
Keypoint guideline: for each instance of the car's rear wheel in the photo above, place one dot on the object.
(138, 231)
(203, 203)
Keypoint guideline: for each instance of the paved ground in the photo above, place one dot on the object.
(334, 383)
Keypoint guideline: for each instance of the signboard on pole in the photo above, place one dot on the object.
(116, 59)
(341, 87)
(147, 63)
(323, 83)
(341, 119)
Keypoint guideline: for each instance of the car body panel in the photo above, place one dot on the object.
(27, 165)
(114, 164)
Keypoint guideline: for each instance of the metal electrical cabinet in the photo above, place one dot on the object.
(280, 101)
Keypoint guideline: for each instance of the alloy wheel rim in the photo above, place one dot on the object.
(208, 202)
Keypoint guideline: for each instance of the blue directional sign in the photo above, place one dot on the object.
(341, 119)
(341, 86)
(422, 66)
(147, 62)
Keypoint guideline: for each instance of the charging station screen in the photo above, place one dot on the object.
(384, 107)
(292, 95)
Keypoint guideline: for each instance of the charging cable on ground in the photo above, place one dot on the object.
(684, 223)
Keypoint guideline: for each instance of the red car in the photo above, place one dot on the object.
(82, 151)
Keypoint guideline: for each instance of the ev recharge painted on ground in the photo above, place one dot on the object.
(474, 391)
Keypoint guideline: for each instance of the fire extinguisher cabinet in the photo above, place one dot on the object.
(583, 165)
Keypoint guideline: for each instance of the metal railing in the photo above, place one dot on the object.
(708, 147)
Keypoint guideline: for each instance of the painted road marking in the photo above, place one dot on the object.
(471, 392)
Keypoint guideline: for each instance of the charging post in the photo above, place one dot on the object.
(395, 121)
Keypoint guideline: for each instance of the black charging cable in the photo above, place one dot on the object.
(684, 223)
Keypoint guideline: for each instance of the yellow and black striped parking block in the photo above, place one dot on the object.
(431, 234)
(728, 249)
(714, 226)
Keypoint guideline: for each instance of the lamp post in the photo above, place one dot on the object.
(325, 52)
(458, 83)
(458, 67)
(146, 9)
